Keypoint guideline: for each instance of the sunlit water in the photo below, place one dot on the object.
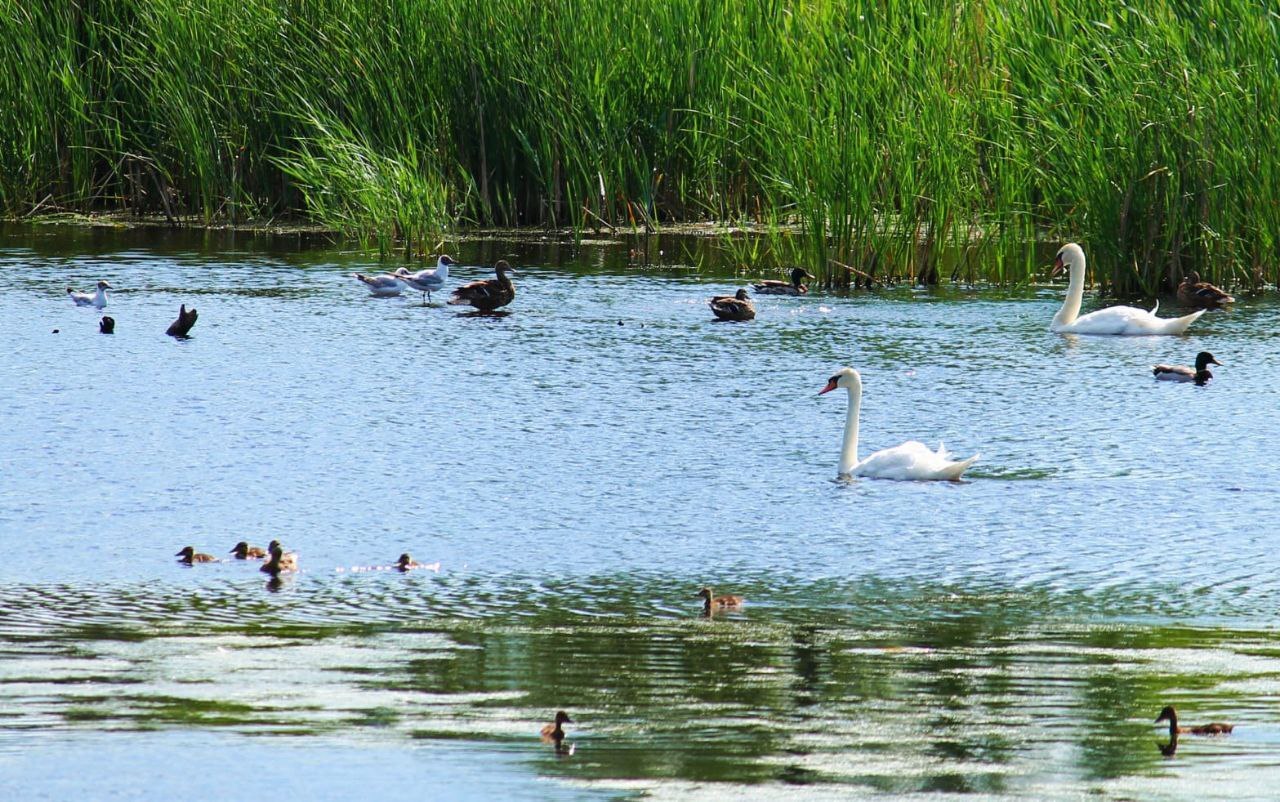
(580, 468)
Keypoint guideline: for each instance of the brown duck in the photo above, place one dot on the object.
(487, 294)
(189, 556)
(186, 319)
(793, 287)
(280, 562)
(713, 603)
(733, 307)
(1212, 728)
(1201, 294)
(244, 551)
(554, 732)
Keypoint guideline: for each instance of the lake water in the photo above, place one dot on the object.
(580, 468)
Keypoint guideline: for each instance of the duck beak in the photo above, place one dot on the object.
(831, 385)
(1216, 362)
(179, 553)
(1057, 267)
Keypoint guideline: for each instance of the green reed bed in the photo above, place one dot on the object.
(877, 140)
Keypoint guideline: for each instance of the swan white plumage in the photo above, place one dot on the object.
(912, 460)
(430, 280)
(387, 285)
(98, 299)
(1122, 320)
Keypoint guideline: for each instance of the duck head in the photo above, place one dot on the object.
(405, 560)
(503, 267)
(563, 718)
(1168, 714)
(241, 549)
(799, 273)
(1205, 359)
(741, 295)
(1069, 256)
(187, 553)
(846, 378)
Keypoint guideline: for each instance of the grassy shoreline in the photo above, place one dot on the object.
(869, 137)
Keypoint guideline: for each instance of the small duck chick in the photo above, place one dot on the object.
(1194, 292)
(733, 307)
(554, 732)
(1181, 373)
(793, 287)
(107, 325)
(244, 551)
(189, 556)
(713, 602)
(98, 299)
(407, 563)
(280, 562)
(1212, 728)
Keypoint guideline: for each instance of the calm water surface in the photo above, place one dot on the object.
(580, 468)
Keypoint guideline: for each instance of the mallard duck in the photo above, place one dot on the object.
(244, 551)
(407, 563)
(1213, 728)
(280, 561)
(487, 294)
(107, 325)
(1181, 373)
(430, 280)
(554, 732)
(793, 287)
(98, 299)
(733, 307)
(189, 556)
(1194, 292)
(387, 285)
(186, 319)
(712, 602)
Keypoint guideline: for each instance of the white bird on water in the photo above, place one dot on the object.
(430, 280)
(387, 285)
(1120, 320)
(98, 299)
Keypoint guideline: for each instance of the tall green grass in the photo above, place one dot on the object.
(919, 138)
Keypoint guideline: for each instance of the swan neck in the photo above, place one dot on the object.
(1075, 294)
(849, 451)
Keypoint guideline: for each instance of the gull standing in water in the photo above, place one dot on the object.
(430, 280)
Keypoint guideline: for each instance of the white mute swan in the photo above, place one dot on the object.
(98, 299)
(429, 280)
(911, 460)
(1127, 320)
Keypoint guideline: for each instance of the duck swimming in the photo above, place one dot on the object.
(98, 299)
(554, 732)
(733, 307)
(712, 602)
(387, 285)
(186, 319)
(190, 556)
(107, 325)
(407, 563)
(1212, 728)
(793, 287)
(1194, 292)
(1181, 373)
(487, 294)
(244, 551)
(280, 562)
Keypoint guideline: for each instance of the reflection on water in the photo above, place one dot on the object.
(578, 481)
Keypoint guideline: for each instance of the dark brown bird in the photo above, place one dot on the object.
(244, 551)
(1201, 294)
(487, 294)
(733, 307)
(186, 319)
(189, 555)
(712, 602)
(280, 562)
(554, 732)
(1181, 373)
(107, 325)
(1212, 728)
(793, 287)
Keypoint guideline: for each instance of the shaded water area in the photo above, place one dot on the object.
(580, 468)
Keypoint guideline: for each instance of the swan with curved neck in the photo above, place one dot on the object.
(1122, 320)
(912, 460)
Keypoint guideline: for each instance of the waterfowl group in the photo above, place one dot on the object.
(733, 307)
(96, 299)
(794, 287)
(1181, 373)
(487, 295)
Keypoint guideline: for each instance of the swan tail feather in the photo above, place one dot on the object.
(954, 471)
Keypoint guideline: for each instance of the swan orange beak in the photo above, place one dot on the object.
(1057, 267)
(831, 385)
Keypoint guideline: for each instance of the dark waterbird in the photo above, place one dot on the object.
(733, 307)
(487, 294)
(794, 287)
(1181, 373)
(1212, 728)
(186, 319)
(244, 551)
(280, 562)
(1194, 292)
(554, 732)
(189, 556)
(107, 325)
(713, 603)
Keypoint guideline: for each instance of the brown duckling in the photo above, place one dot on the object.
(407, 563)
(733, 307)
(793, 287)
(190, 556)
(107, 325)
(244, 551)
(186, 319)
(554, 732)
(487, 294)
(280, 562)
(1201, 294)
(711, 602)
(1181, 373)
(1212, 728)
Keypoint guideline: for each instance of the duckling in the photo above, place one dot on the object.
(407, 563)
(554, 732)
(244, 551)
(487, 294)
(793, 287)
(733, 307)
(98, 299)
(1181, 373)
(189, 556)
(107, 325)
(186, 319)
(280, 562)
(711, 601)
(1212, 728)
(1194, 292)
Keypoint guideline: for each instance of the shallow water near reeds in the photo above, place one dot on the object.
(580, 468)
